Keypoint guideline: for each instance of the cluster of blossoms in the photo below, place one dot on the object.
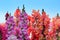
(2, 32)
(22, 26)
(10, 25)
(39, 25)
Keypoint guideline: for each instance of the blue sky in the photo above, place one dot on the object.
(52, 7)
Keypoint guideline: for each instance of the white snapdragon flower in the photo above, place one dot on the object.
(12, 37)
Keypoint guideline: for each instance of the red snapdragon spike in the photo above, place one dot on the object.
(37, 25)
(45, 25)
(56, 23)
(17, 13)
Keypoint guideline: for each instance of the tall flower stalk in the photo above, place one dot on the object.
(36, 25)
(17, 14)
(23, 25)
(10, 24)
(46, 22)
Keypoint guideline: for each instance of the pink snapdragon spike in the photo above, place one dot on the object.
(56, 23)
(24, 25)
(2, 33)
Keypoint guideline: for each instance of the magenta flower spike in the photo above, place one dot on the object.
(2, 33)
(23, 25)
(10, 25)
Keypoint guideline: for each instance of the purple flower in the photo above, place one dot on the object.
(10, 24)
(23, 24)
